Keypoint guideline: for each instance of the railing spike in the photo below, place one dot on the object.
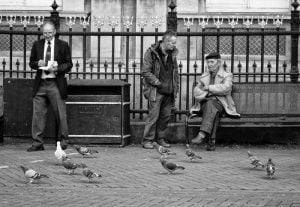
(195, 65)
(269, 66)
(120, 64)
(77, 64)
(254, 65)
(180, 65)
(239, 65)
(134, 64)
(4, 62)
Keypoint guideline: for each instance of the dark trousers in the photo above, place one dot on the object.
(158, 117)
(48, 94)
(211, 110)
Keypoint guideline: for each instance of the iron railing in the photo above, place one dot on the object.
(245, 68)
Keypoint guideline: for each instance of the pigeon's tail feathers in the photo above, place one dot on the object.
(171, 153)
(98, 175)
(77, 147)
(82, 165)
(197, 156)
(44, 176)
(94, 151)
(65, 158)
(180, 167)
(249, 154)
(23, 168)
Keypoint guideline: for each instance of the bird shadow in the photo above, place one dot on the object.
(86, 157)
(251, 169)
(167, 173)
(157, 157)
(192, 162)
(268, 178)
(87, 181)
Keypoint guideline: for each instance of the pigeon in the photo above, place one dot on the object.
(270, 168)
(169, 166)
(83, 150)
(31, 175)
(254, 161)
(69, 165)
(162, 150)
(89, 173)
(191, 154)
(59, 153)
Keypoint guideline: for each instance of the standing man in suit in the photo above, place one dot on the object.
(213, 98)
(51, 58)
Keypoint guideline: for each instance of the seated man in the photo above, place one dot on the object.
(213, 97)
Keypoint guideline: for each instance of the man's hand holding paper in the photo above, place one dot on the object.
(51, 67)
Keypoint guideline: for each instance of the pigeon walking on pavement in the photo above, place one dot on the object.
(70, 166)
(162, 150)
(270, 168)
(191, 155)
(59, 153)
(254, 161)
(31, 175)
(89, 173)
(83, 150)
(169, 166)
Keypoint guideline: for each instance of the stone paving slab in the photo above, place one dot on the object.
(133, 176)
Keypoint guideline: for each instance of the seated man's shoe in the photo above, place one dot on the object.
(35, 148)
(211, 146)
(162, 142)
(198, 139)
(64, 144)
(148, 145)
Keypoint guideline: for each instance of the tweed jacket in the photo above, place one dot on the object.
(221, 89)
(150, 72)
(62, 55)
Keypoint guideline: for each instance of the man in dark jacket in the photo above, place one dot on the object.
(160, 78)
(52, 59)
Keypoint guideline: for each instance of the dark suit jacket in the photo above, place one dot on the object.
(62, 55)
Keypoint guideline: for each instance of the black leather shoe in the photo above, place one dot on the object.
(198, 139)
(162, 142)
(35, 148)
(148, 145)
(64, 144)
(211, 147)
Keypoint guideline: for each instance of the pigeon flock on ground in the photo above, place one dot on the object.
(270, 166)
(33, 176)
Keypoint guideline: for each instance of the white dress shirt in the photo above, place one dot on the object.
(51, 74)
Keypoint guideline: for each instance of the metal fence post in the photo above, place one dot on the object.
(294, 73)
(172, 17)
(54, 16)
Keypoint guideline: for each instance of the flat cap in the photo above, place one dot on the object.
(213, 55)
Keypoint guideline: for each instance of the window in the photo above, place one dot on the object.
(248, 6)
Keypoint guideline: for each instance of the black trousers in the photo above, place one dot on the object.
(48, 94)
(211, 110)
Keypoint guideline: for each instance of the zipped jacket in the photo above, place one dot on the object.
(150, 72)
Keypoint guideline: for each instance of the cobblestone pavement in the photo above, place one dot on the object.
(133, 176)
